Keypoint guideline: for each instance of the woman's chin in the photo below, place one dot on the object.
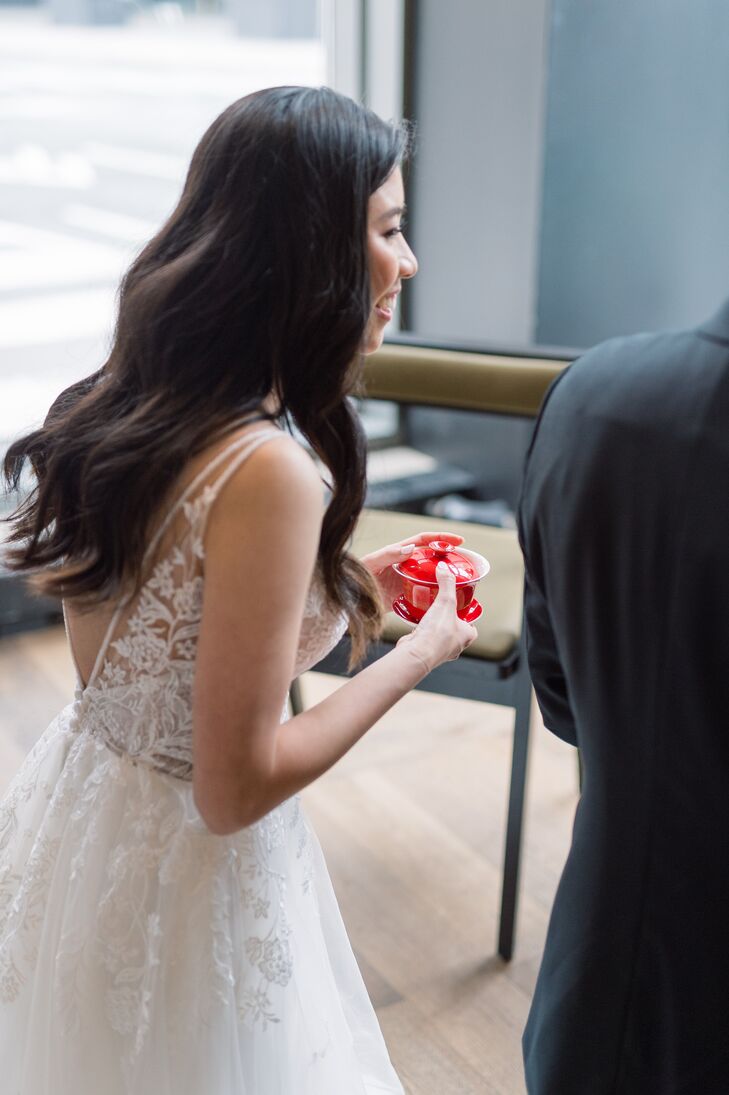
(373, 339)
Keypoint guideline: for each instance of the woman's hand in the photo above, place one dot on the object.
(379, 563)
(441, 635)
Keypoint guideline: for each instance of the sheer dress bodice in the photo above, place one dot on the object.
(138, 699)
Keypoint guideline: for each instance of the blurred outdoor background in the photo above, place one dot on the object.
(101, 105)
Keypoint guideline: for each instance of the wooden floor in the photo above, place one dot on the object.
(412, 825)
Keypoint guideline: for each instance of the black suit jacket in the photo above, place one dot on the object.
(624, 522)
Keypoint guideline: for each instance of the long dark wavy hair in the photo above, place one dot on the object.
(257, 283)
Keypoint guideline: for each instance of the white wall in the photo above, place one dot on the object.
(480, 87)
(635, 229)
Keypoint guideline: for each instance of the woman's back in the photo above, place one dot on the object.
(136, 657)
(87, 629)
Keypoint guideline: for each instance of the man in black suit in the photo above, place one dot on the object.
(624, 523)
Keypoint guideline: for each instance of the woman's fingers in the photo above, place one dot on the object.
(446, 584)
(386, 556)
(394, 553)
(426, 537)
(441, 634)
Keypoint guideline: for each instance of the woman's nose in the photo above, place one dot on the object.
(408, 263)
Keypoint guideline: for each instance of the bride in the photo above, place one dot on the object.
(167, 924)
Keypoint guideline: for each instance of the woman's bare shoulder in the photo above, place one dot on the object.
(282, 462)
(285, 454)
(279, 476)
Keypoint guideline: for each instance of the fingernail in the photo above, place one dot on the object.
(407, 548)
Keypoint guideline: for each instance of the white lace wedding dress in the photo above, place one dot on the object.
(139, 953)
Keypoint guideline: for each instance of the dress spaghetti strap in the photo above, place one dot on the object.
(245, 444)
(242, 448)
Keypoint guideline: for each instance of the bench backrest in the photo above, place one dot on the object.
(460, 380)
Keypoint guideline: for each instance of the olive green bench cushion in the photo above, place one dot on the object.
(500, 592)
(459, 380)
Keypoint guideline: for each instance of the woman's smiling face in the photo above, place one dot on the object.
(390, 258)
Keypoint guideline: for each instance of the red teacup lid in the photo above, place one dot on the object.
(420, 566)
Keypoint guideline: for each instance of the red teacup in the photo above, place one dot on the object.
(420, 584)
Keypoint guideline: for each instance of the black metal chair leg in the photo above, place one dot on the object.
(512, 850)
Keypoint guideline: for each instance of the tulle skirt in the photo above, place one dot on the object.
(142, 955)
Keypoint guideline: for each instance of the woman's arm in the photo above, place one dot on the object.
(245, 761)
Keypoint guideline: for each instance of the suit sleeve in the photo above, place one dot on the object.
(545, 666)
